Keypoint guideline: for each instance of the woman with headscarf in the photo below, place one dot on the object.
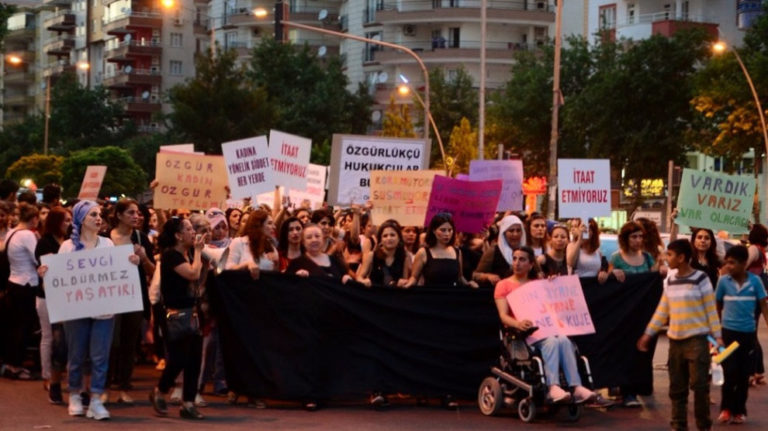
(90, 337)
(496, 262)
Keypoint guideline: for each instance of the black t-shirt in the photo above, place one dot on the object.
(336, 270)
(175, 288)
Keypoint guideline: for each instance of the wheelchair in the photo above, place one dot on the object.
(518, 381)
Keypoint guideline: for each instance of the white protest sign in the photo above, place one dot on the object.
(556, 307)
(510, 172)
(314, 195)
(353, 157)
(90, 283)
(289, 155)
(92, 180)
(248, 167)
(584, 188)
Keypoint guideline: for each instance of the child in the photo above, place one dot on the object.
(688, 304)
(738, 294)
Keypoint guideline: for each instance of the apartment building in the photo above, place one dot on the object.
(19, 75)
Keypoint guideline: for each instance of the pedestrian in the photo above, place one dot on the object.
(738, 293)
(688, 307)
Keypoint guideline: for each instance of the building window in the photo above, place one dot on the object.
(607, 17)
(631, 13)
(175, 67)
(454, 37)
(176, 40)
(230, 40)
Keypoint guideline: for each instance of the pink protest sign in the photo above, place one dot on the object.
(556, 307)
(471, 203)
(94, 176)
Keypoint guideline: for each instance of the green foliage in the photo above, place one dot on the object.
(462, 147)
(397, 122)
(20, 139)
(143, 150)
(124, 176)
(219, 104)
(83, 118)
(39, 168)
(451, 100)
(309, 94)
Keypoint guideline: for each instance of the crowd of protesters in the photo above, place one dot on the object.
(175, 251)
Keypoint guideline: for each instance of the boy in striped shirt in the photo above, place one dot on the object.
(738, 294)
(688, 305)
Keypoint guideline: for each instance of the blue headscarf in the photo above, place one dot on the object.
(80, 210)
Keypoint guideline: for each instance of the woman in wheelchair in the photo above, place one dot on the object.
(557, 352)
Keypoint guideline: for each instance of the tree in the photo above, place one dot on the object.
(6, 10)
(451, 99)
(39, 168)
(462, 147)
(309, 94)
(397, 121)
(83, 117)
(219, 104)
(20, 139)
(124, 176)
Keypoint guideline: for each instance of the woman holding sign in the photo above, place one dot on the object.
(439, 262)
(389, 264)
(556, 351)
(496, 262)
(89, 337)
(583, 254)
(254, 251)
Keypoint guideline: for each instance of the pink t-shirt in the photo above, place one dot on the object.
(504, 287)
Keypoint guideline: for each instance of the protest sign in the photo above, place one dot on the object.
(289, 155)
(471, 203)
(248, 167)
(556, 307)
(90, 283)
(190, 181)
(584, 188)
(715, 201)
(92, 180)
(179, 148)
(510, 172)
(353, 157)
(401, 195)
(313, 197)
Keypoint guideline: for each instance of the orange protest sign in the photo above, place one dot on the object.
(190, 181)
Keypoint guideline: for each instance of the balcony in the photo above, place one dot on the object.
(439, 51)
(138, 105)
(126, 23)
(132, 78)
(56, 70)
(20, 34)
(10, 117)
(126, 51)
(499, 11)
(664, 23)
(18, 76)
(60, 47)
(243, 49)
(68, 2)
(18, 100)
(61, 21)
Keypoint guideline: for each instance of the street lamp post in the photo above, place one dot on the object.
(280, 22)
(720, 47)
(408, 89)
(554, 136)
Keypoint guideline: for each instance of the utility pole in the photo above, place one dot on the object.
(552, 177)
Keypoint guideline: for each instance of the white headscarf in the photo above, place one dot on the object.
(504, 247)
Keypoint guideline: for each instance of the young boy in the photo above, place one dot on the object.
(738, 294)
(688, 304)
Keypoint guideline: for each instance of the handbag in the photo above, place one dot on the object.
(182, 323)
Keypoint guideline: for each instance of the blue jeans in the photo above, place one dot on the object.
(558, 352)
(88, 337)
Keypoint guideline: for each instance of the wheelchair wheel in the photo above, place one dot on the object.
(526, 409)
(574, 412)
(489, 397)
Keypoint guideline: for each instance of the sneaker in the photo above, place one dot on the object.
(54, 393)
(558, 395)
(190, 413)
(631, 401)
(378, 401)
(200, 401)
(104, 397)
(97, 410)
(583, 395)
(158, 402)
(75, 407)
(739, 419)
(176, 396)
(725, 417)
(124, 398)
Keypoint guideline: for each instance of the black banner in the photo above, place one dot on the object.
(287, 337)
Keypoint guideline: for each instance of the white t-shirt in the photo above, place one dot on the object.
(240, 252)
(21, 256)
(102, 242)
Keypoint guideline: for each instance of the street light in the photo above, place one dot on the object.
(280, 22)
(404, 89)
(719, 48)
(16, 61)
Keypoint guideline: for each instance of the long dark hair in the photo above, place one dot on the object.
(399, 250)
(713, 259)
(652, 239)
(167, 238)
(120, 207)
(282, 241)
(254, 230)
(438, 220)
